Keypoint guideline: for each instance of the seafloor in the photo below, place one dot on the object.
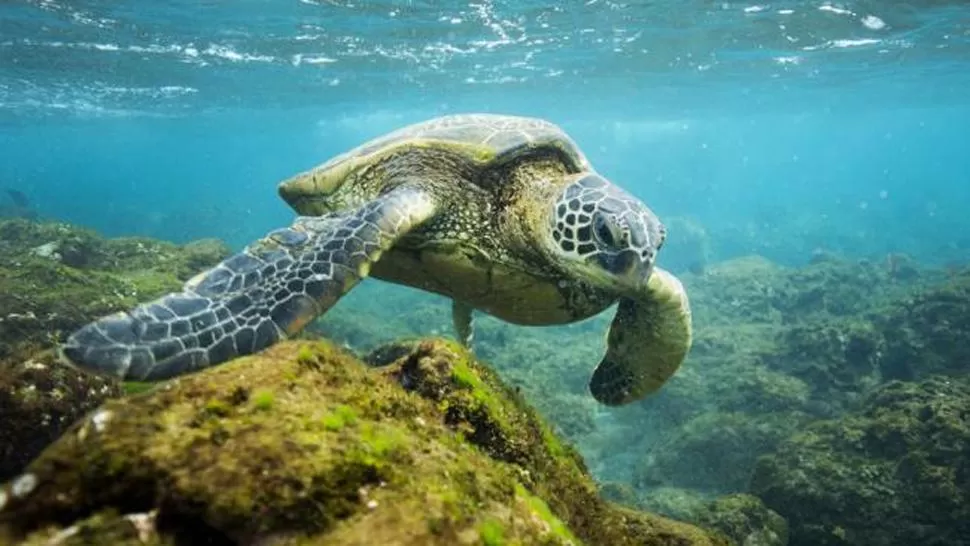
(827, 404)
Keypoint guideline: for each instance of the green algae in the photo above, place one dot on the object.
(491, 533)
(342, 416)
(263, 399)
(344, 455)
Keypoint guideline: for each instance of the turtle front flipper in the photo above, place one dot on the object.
(648, 340)
(253, 299)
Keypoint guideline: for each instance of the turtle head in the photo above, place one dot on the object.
(610, 236)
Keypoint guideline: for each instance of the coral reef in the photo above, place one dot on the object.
(775, 349)
(303, 444)
(754, 290)
(894, 473)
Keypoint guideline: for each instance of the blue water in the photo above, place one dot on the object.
(780, 128)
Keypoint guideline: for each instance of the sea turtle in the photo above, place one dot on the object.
(501, 214)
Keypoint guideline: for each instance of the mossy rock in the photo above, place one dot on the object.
(745, 519)
(56, 277)
(715, 452)
(39, 399)
(303, 444)
(928, 333)
(752, 290)
(741, 517)
(554, 381)
(838, 358)
(894, 473)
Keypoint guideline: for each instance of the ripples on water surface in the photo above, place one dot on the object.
(780, 127)
(101, 57)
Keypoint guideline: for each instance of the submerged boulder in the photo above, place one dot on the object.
(895, 473)
(744, 518)
(304, 444)
(39, 399)
(928, 333)
(714, 452)
(741, 517)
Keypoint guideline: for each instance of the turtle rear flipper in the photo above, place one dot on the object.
(648, 340)
(253, 299)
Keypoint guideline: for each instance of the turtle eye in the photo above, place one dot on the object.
(603, 231)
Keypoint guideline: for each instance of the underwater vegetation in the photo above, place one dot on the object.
(821, 404)
(304, 444)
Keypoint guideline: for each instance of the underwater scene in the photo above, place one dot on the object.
(484, 272)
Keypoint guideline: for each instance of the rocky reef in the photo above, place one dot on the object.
(304, 444)
(781, 351)
(743, 518)
(895, 472)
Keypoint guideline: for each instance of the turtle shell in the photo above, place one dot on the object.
(487, 140)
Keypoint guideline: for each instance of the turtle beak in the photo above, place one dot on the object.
(627, 264)
(631, 269)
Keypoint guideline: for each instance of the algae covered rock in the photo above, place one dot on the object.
(753, 289)
(303, 444)
(39, 399)
(745, 519)
(839, 358)
(895, 473)
(929, 332)
(715, 452)
(741, 517)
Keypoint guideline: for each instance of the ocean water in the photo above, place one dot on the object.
(782, 129)
(779, 127)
